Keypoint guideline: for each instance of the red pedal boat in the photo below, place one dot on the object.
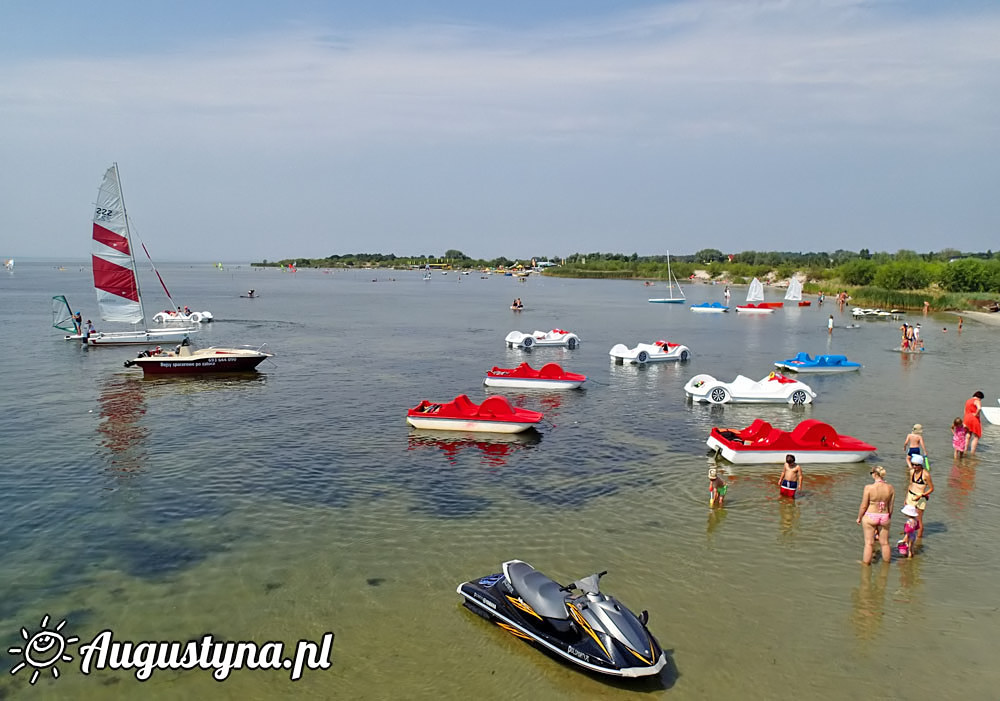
(811, 441)
(549, 376)
(494, 415)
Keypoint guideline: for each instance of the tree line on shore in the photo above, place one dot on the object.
(942, 274)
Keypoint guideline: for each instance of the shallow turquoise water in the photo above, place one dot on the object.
(298, 501)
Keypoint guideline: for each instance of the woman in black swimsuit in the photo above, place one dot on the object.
(919, 489)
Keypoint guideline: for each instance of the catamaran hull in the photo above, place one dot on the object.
(129, 338)
(667, 301)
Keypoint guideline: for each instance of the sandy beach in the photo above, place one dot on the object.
(989, 318)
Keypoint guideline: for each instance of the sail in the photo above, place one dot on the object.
(114, 266)
(62, 317)
(756, 291)
(671, 281)
(9, 264)
(794, 292)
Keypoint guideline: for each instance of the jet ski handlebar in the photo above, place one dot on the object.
(587, 584)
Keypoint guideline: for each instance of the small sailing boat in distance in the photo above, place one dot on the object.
(755, 295)
(671, 283)
(794, 293)
(119, 298)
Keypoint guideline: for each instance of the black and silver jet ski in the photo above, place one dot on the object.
(590, 629)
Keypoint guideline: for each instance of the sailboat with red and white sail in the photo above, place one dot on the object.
(119, 298)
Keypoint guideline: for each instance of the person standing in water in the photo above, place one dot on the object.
(875, 513)
(920, 488)
(914, 442)
(971, 421)
(716, 488)
(791, 477)
(829, 325)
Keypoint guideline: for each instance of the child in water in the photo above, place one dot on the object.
(905, 544)
(958, 435)
(716, 488)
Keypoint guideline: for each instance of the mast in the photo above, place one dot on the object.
(131, 251)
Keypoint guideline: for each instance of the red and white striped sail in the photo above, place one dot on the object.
(114, 265)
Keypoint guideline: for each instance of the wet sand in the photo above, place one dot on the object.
(988, 318)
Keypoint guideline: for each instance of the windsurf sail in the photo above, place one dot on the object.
(9, 264)
(62, 317)
(115, 281)
(756, 291)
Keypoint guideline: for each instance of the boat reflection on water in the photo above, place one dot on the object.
(496, 448)
(171, 385)
(123, 405)
(547, 400)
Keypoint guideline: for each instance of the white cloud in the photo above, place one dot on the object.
(778, 74)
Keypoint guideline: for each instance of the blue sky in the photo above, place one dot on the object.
(251, 130)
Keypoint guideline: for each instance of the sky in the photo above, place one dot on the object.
(259, 130)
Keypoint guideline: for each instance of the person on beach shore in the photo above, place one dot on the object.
(717, 488)
(971, 421)
(875, 514)
(919, 489)
(914, 442)
(829, 325)
(791, 477)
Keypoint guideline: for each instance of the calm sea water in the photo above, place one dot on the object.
(298, 501)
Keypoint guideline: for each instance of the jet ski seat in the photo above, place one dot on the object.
(541, 593)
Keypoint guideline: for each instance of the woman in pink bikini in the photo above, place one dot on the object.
(875, 514)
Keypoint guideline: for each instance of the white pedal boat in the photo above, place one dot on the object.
(554, 338)
(170, 318)
(649, 352)
(773, 389)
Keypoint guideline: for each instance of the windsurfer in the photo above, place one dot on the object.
(78, 323)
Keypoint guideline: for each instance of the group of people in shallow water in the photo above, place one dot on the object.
(879, 498)
(789, 482)
(910, 338)
(516, 304)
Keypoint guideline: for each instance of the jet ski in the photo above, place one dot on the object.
(589, 629)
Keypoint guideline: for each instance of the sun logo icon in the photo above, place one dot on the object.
(43, 649)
